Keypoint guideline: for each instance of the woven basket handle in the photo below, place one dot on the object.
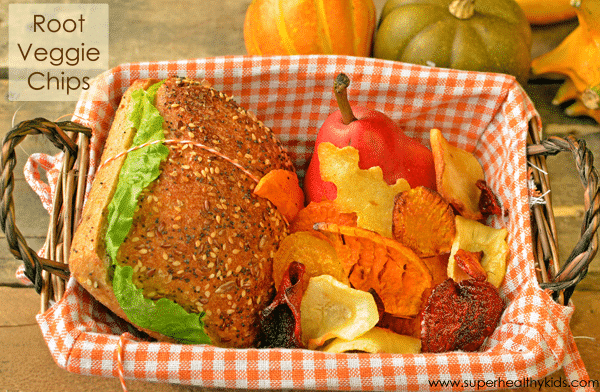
(56, 132)
(575, 267)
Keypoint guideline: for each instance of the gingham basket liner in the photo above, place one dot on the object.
(485, 113)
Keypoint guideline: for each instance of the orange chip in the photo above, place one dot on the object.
(423, 221)
(372, 261)
(438, 266)
(411, 326)
(457, 172)
(281, 188)
(323, 211)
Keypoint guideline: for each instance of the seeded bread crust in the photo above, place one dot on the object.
(200, 236)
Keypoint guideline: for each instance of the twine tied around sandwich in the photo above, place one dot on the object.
(120, 360)
(188, 142)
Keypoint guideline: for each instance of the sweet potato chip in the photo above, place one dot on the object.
(457, 172)
(361, 191)
(423, 221)
(372, 261)
(318, 256)
(323, 211)
(281, 188)
(473, 236)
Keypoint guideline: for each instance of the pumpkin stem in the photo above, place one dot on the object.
(462, 9)
(340, 84)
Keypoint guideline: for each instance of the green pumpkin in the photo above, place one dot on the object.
(474, 35)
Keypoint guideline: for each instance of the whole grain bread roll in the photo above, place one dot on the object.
(199, 236)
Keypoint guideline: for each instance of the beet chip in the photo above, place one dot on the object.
(460, 316)
(470, 263)
(488, 202)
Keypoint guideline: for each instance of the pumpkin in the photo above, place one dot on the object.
(542, 12)
(289, 27)
(576, 58)
(474, 35)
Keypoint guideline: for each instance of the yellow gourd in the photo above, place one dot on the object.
(577, 58)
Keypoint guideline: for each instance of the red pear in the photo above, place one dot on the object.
(379, 141)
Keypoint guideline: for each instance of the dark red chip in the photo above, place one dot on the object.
(470, 263)
(488, 202)
(280, 321)
(460, 316)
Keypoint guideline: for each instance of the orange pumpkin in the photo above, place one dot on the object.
(542, 12)
(288, 27)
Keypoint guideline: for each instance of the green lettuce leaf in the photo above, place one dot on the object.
(163, 316)
(140, 169)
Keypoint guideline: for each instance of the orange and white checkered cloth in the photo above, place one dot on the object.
(484, 113)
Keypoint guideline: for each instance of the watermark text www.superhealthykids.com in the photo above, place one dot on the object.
(55, 50)
(547, 382)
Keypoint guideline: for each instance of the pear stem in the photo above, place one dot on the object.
(340, 84)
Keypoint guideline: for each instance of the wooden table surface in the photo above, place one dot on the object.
(183, 29)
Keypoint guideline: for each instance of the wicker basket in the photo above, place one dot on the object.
(49, 273)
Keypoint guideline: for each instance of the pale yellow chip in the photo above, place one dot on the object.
(318, 256)
(376, 340)
(331, 309)
(473, 236)
(457, 172)
(364, 192)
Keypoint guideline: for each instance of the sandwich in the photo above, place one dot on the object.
(172, 237)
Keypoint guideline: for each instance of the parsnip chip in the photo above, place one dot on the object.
(473, 236)
(457, 172)
(376, 340)
(372, 261)
(423, 221)
(361, 191)
(332, 309)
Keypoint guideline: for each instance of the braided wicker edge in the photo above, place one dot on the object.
(562, 280)
(49, 273)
